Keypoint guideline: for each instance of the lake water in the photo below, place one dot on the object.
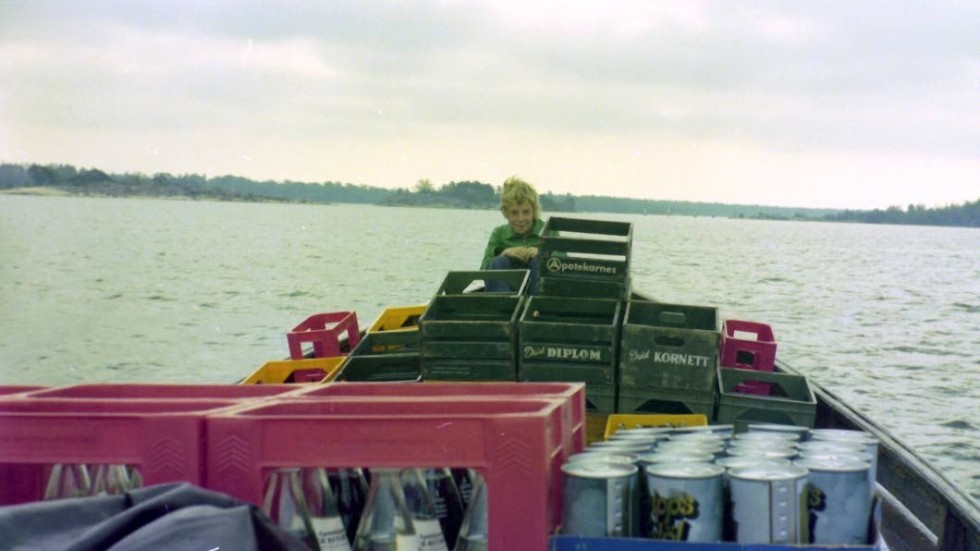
(130, 290)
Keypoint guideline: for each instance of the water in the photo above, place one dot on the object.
(127, 290)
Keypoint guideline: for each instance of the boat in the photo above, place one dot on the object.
(920, 509)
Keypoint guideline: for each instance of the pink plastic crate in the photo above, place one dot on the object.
(513, 443)
(324, 332)
(164, 438)
(9, 391)
(748, 345)
(163, 392)
(572, 396)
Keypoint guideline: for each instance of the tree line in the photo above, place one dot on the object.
(463, 194)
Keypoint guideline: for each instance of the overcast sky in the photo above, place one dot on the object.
(817, 104)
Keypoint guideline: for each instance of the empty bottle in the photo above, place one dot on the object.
(424, 517)
(386, 524)
(350, 488)
(473, 531)
(110, 479)
(68, 480)
(285, 503)
(328, 527)
(447, 501)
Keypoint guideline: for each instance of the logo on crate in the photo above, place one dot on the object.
(562, 353)
(673, 358)
(557, 265)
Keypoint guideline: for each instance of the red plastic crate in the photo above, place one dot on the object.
(163, 392)
(572, 396)
(324, 332)
(513, 443)
(10, 391)
(164, 438)
(748, 345)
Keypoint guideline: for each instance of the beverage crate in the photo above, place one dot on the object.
(621, 421)
(581, 248)
(139, 391)
(477, 317)
(329, 334)
(11, 391)
(580, 543)
(569, 340)
(383, 356)
(514, 444)
(399, 318)
(748, 345)
(668, 346)
(465, 367)
(580, 287)
(672, 401)
(163, 438)
(791, 401)
(460, 282)
(314, 370)
(571, 395)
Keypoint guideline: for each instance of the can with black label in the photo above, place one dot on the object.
(685, 501)
(768, 504)
(600, 499)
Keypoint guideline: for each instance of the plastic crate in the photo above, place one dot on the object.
(572, 396)
(673, 401)
(748, 345)
(668, 346)
(514, 444)
(399, 318)
(458, 283)
(791, 401)
(463, 366)
(315, 370)
(581, 248)
(11, 391)
(324, 332)
(630, 421)
(579, 543)
(136, 391)
(585, 287)
(383, 356)
(163, 438)
(476, 317)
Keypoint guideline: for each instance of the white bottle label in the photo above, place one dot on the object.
(430, 535)
(330, 534)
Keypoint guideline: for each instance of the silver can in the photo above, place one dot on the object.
(852, 437)
(768, 504)
(800, 433)
(685, 501)
(838, 500)
(600, 499)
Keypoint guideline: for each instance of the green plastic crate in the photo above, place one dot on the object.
(467, 369)
(581, 287)
(791, 400)
(384, 356)
(669, 401)
(476, 317)
(590, 374)
(574, 247)
(458, 282)
(668, 346)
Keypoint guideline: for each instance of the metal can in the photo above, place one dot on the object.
(685, 501)
(801, 433)
(609, 456)
(853, 437)
(771, 453)
(600, 499)
(768, 504)
(838, 500)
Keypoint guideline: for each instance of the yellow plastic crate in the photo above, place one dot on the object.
(398, 318)
(315, 370)
(618, 421)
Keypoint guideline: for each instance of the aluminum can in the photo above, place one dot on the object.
(685, 501)
(838, 500)
(853, 437)
(621, 445)
(771, 453)
(767, 436)
(801, 433)
(768, 504)
(687, 456)
(600, 499)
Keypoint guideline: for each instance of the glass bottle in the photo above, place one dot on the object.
(68, 480)
(473, 531)
(328, 527)
(109, 479)
(386, 524)
(420, 503)
(464, 483)
(446, 499)
(350, 488)
(286, 505)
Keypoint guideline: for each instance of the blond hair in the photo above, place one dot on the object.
(517, 191)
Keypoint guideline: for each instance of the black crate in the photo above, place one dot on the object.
(477, 317)
(384, 356)
(581, 287)
(668, 346)
(581, 248)
(467, 369)
(669, 401)
(462, 282)
(790, 400)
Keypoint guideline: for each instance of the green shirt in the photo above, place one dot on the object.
(503, 237)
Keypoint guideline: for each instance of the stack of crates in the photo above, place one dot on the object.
(585, 258)
(572, 340)
(472, 337)
(389, 350)
(668, 359)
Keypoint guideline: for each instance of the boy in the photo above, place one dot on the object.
(514, 245)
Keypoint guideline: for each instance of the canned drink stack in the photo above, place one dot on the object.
(600, 499)
(685, 501)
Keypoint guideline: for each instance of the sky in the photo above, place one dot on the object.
(830, 104)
